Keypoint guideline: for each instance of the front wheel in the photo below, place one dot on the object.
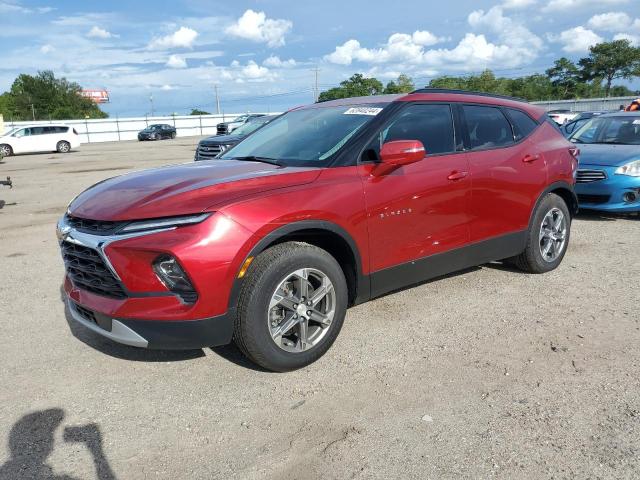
(548, 236)
(173, 135)
(291, 306)
(63, 147)
(5, 150)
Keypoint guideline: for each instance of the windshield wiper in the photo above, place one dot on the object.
(253, 158)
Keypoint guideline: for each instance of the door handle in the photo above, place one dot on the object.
(530, 158)
(457, 175)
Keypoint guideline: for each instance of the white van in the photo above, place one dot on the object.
(39, 138)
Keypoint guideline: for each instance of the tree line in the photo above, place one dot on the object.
(45, 97)
(591, 77)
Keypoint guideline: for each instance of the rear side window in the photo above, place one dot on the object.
(61, 129)
(431, 124)
(523, 124)
(487, 127)
(38, 130)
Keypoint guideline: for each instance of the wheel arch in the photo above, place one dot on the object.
(322, 234)
(565, 191)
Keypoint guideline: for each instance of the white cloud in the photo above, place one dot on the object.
(181, 38)
(518, 3)
(253, 71)
(16, 7)
(578, 39)
(610, 22)
(574, 5)
(255, 26)
(97, 32)
(167, 87)
(274, 62)
(46, 49)
(176, 61)
(400, 47)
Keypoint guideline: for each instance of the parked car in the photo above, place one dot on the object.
(39, 138)
(211, 147)
(582, 118)
(325, 207)
(562, 116)
(226, 128)
(608, 178)
(159, 131)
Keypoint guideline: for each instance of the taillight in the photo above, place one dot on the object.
(575, 153)
(75, 132)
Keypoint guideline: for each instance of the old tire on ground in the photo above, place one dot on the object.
(547, 238)
(63, 147)
(291, 306)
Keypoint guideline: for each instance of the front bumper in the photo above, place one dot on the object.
(153, 334)
(608, 194)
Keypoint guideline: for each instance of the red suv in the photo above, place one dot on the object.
(327, 206)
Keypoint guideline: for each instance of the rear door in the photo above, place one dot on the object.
(420, 209)
(507, 169)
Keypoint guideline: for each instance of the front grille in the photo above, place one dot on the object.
(588, 176)
(87, 271)
(207, 152)
(96, 227)
(593, 198)
(222, 129)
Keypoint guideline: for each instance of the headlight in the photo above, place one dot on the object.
(632, 169)
(171, 273)
(159, 223)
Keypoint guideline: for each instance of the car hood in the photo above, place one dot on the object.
(607, 155)
(183, 189)
(221, 140)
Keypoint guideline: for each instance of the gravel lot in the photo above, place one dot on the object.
(488, 373)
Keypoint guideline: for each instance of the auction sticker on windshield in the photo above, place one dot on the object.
(363, 111)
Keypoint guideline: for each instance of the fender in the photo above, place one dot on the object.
(363, 284)
(573, 209)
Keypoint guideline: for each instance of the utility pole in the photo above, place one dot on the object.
(151, 100)
(217, 100)
(33, 112)
(316, 92)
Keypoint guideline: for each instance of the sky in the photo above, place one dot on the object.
(263, 55)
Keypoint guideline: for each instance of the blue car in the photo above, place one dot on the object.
(608, 176)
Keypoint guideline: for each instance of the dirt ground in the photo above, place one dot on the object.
(488, 373)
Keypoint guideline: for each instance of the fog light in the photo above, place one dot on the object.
(173, 276)
(630, 197)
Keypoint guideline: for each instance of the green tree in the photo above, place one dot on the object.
(565, 77)
(356, 86)
(611, 60)
(403, 84)
(47, 97)
(196, 111)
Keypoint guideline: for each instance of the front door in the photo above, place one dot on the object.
(416, 210)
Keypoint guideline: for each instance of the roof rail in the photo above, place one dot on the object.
(467, 92)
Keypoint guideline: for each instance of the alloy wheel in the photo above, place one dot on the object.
(5, 151)
(301, 310)
(553, 235)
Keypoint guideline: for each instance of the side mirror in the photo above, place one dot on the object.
(402, 152)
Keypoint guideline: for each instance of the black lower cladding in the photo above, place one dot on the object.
(171, 335)
(184, 334)
(410, 273)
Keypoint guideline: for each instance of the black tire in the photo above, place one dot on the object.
(63, 147)
(173, 135)
(531, 260)
(7, 151)
(252, 332)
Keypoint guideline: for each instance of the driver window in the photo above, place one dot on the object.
(430, 124)
(22, 133)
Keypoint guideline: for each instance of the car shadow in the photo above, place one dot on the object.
(31, 442)
(124, 352)
(232, 354)
(597, 216)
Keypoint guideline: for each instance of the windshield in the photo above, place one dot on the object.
(610, 130)
(9, 132)
(307, 137)
(249, 127)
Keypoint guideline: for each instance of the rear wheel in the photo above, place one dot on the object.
(547, 238)
(291, 306)
(63, 147)
(6, 150)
